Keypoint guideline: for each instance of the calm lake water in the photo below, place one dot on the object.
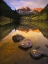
(10, 52)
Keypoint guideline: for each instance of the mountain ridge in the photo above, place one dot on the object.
(29, 9)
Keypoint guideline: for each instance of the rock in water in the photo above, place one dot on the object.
(25, 44)
(46, 45)
(45, 61)
(17, 38)
(36, 54)
(46, 55)
(37, 47)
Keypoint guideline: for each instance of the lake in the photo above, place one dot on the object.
(10, 53)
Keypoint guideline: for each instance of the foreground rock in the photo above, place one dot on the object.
(17, 38)
(46, 45)
(25, 44)
(36, 54)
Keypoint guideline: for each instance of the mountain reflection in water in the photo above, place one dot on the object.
(9, 51)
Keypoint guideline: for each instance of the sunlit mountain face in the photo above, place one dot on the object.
(29, 9)
(37, 9)
(16, 4)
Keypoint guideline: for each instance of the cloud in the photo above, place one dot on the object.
(31, 3)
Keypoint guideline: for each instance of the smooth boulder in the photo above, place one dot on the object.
(17, 38)
(25, 44)
(36, 54)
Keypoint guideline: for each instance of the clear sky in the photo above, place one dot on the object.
(16, 4)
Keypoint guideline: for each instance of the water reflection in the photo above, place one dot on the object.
(44, 32)
(6, 29)
(31, 33)
(34, 28)
(10, 52)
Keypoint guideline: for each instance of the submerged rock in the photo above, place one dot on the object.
(36, 54)
(45, 61)
(17, 38)
(25, 44)
(46, 45)
(46, 55)
(37, 47)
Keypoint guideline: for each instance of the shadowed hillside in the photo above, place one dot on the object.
(6, 11)
(45, 10)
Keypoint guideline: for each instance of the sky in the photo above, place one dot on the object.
(16, 4)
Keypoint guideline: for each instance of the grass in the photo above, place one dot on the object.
(40, 17)
(43, 16)
(4, 20)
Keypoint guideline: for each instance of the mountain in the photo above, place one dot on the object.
(43, 15)
(24, 11)
(27, 11)
(37, 9)
(25, 8)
